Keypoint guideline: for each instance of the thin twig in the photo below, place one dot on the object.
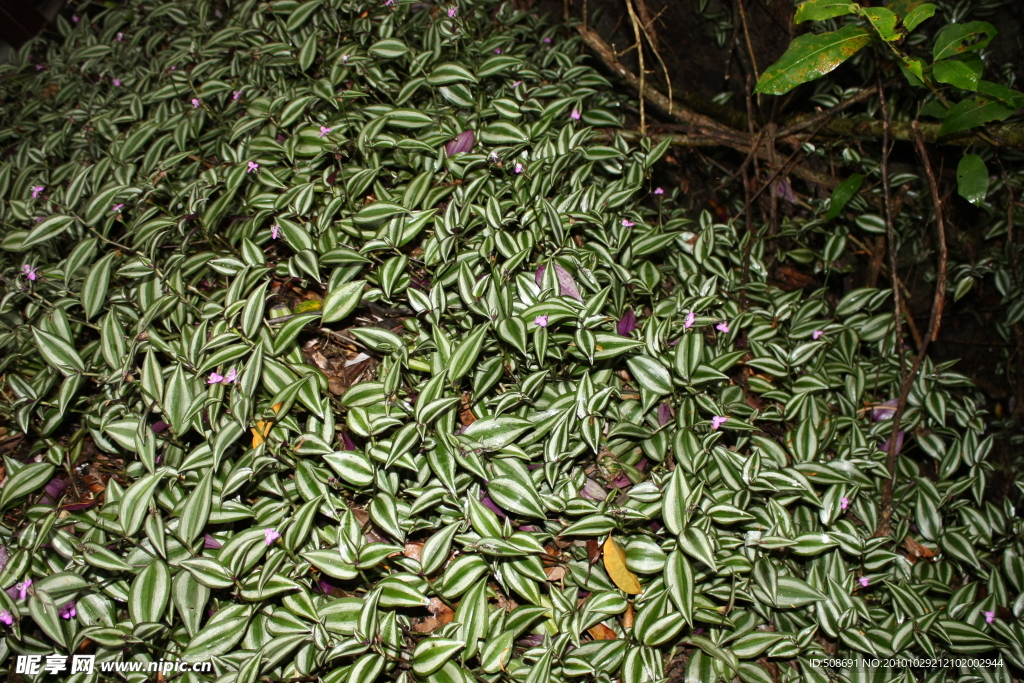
(643, 70)
(934, 323)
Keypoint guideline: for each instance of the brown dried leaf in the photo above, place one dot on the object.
(602, 632)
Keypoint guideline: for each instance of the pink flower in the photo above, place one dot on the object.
(117, 82)
(252, 166)
(717, 421)
(75, 18)
(36, 191)
(215, 378)
(864, 581)
(547, 40)
(844, 503)
(120, 37)
(236, 94)
(68, 611)
(989, 617)
(722, 327)
(39, 67)
(195, 102)
(575, 115)
(517, 84)
(817, 334)
(518, 168)
(626, 223)
(117, 207)
(344, 59)
(231, 376)
(23, 588)
(541, 321)
(497, 50)
(690, 317)
(659, 190)
(389, 3)
(324, 130)
(6, 617)
(29, 272)
(275, 231)
(452, 11)
(270, 535)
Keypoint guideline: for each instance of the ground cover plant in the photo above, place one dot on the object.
(358, 341)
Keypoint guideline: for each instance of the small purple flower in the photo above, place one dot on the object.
(275, 231)
(548, 40)
(518, 168)
(39, 67)
(68, 611)
(463, 142)
(389, 3)
(117, 82)
(626, 223)
(195, 102)
(324, 130)
(723, 327)
(29, 272)
(659, 191)
(690, 317)
(117, 207)
(452, 11)
(120, 37)
(517, 84)
(236, 94)
(252, 167)
(215, 378)
(718, 420)
(844, 503)
(864, 581)
(575, 115)
(23, 588)
(989, 617)
(231, 376)
(270, 535)
(816, 335)
(497, 50)
(36, 191)
(74, 18)
(6, 617)
(627, 323)
(541, 321)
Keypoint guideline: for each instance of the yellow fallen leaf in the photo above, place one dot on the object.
(615, 563)
(277, 408)
(260, 432)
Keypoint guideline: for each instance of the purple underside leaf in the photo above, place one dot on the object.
(566, 284)
(462, 143)
(627, 323)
